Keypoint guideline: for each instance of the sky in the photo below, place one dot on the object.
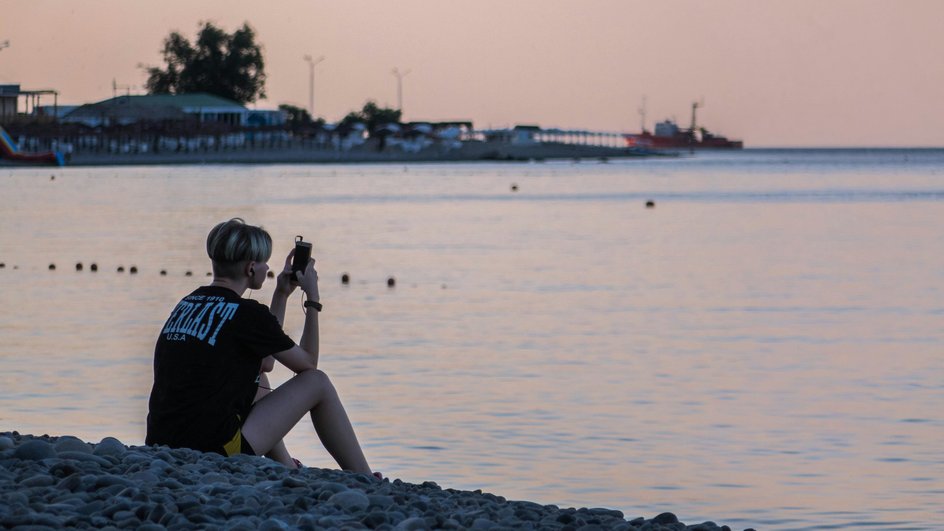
(775, 73)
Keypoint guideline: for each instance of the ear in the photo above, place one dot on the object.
(250, 268)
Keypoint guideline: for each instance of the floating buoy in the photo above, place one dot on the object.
(270, 274)
(391, 282)
(121, 269)
(514, 187)
(650, 204)
(188, 274)
(2, 265)
(52, 177)
(79, 267)
(133, 270)
(52, 267)
(209, 274)
(163, 272)
(93, 267)
(345, 279)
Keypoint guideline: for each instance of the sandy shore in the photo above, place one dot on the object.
(55, 482)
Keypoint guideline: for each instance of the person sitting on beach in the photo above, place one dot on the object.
(209, 360)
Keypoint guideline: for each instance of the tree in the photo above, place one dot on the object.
(372, 115)
(229, 66)
(297, 116)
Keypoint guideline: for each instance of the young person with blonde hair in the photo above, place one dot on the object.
(216, 345)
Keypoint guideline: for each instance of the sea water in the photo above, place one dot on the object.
(764, 347)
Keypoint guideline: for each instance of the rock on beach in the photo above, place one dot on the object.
(56, 482)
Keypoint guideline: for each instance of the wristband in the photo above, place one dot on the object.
(314, 304)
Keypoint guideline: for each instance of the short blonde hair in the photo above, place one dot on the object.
(233, 243)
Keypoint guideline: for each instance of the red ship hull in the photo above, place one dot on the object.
(682, 140)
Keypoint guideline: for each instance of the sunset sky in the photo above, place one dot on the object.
(772, 72)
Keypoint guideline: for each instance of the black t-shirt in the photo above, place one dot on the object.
(206, 365)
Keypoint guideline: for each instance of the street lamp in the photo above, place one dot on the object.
(311, 83)
(400, 75)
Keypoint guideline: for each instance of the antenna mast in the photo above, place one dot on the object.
(642, 115)
(400, 75)
(695, 105)
(115, 86)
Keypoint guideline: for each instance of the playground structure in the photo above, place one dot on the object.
(10, 151)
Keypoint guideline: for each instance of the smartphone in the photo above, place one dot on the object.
(302, 256)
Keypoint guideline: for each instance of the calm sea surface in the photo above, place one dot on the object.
(763, 348)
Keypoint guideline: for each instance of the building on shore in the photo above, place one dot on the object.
(127, 110)
(10, 96)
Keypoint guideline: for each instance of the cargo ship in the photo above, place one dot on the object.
(668, 135)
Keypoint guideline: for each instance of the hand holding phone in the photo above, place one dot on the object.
(301, 258)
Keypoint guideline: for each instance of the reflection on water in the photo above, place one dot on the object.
(761, 349)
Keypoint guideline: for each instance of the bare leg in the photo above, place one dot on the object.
(308, 392)
(278, 452)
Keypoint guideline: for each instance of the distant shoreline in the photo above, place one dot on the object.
(468, 152)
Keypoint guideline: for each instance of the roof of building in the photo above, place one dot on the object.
(153, 107)
(199, 99)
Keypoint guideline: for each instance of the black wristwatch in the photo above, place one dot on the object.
(314, 304)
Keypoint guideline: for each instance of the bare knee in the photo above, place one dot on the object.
(314, 376)
(317, 379)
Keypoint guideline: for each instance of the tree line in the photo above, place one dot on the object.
(231, 65)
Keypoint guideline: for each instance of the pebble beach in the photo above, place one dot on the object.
(54, 482)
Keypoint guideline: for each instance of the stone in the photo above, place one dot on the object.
(109, 480)
(350, 500)
(380, 500)
(566, 519)
(6, 443)
(110, 446)
(336, 522)
(412, 524)
(374, 519)
(70, 483)
(87, 457)
(34, 450)
(665, 518)
(482, 523)
(144, 477)
(239, 524)
(39, 480)
(92, 508)
(68, 443)
(156, 513)
(293, 482)
(332, 487)
(599, 511)
(273, 524)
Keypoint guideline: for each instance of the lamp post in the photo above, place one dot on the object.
(400, 75)
(311, 82)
